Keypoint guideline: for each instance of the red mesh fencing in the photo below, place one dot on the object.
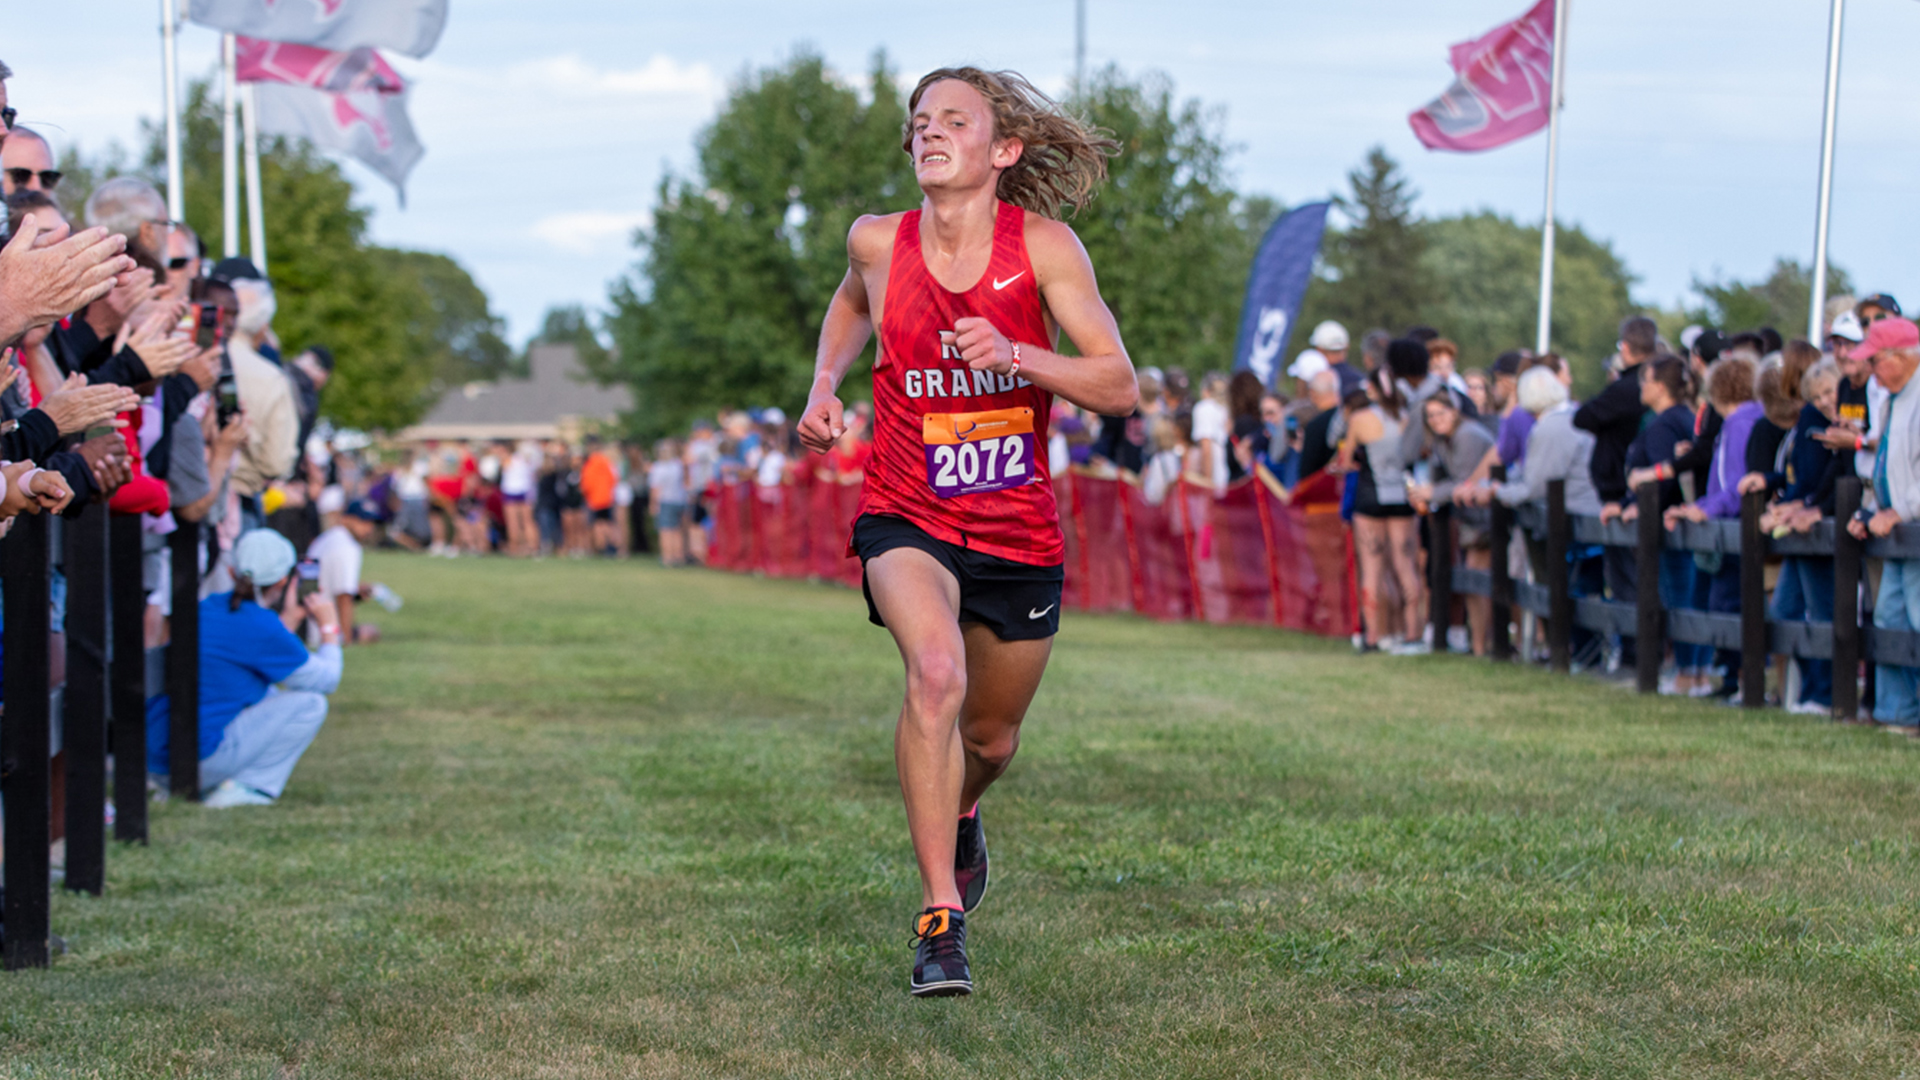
(1247, 555)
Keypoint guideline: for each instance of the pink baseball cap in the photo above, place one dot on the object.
(1884, 334)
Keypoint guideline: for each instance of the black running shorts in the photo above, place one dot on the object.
(1016, 601)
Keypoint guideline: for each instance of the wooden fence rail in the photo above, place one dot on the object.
(1845, 641)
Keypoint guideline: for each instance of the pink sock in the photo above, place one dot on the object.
(972, 812)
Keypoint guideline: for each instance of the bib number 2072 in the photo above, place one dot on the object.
(968, 453)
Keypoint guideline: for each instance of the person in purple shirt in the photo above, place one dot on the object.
(1515, 423)
(1730, 390)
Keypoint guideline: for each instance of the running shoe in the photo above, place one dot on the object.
(940, 958)
(970, 861)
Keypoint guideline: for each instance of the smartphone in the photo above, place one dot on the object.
(226, 391)
(309, 578)
(211, 327)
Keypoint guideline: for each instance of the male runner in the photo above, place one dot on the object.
(957, 529)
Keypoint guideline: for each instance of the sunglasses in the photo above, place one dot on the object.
(49, 178)
(7, 114)
(179, 262)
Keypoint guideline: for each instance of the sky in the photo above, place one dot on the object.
(1690, 139)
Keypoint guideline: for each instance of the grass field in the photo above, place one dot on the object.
(583, 820)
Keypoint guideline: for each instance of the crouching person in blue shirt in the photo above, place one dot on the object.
(263, 696)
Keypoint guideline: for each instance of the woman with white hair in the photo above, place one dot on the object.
(1556, 450)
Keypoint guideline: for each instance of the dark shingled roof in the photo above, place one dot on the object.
(559, 394)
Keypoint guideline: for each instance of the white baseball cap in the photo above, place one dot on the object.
(1847, 325)
(1329, 335)
(263, 557)
(1309, 363)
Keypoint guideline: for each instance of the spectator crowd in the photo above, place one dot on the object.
(144, 379)
(1403, 425)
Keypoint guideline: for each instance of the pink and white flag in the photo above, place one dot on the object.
(408, 27)
(1502, 88)
(369, 124)
(321, 69)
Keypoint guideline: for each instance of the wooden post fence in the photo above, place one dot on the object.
(24, 743)
(84, 705)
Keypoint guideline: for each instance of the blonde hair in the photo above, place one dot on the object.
(1064, 159)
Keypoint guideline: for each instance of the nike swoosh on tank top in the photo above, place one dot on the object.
(963, 453)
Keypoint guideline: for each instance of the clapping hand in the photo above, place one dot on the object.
(78, 406)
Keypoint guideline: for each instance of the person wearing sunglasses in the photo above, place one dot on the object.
(183, 261)
(26, 163)
(1876, 307)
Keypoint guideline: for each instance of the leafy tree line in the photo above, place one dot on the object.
(1475, 277)
(403, 325)
(723, 306)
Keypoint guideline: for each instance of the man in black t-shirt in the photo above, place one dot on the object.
(1613, 416)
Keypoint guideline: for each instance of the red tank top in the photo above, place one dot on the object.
(962, 453)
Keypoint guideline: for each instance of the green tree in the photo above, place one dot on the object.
(1170, 240)
(1373, 271)
(1780, 300)
(449, 325)
(735, 273)
(1485, 269)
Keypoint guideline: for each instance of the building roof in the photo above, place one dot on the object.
(557, 398)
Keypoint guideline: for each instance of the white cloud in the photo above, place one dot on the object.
(660, 76)
(582, 232)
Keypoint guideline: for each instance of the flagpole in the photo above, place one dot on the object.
(229, 154)
(256, 214)
(170, 68)
(1080, 46)
(1542, 338)
(1817, 316)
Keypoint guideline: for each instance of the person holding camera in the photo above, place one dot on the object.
(263, 696)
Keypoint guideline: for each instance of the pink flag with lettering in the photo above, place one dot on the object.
(1501, 90)
(350, 101)
(320, 69)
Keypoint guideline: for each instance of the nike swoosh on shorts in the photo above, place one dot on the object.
(1041, 614)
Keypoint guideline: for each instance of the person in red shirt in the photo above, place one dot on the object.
(957, 532)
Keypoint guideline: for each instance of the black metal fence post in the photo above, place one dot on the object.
(183, 663)
(1753, 602)
(1848, 558)
(24, 742)
(129, 682)
(1440, 574)
(1560, 595)
(84, 714)
(1502, 598)
(1650, 616)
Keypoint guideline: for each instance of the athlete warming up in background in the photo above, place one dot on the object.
(957, 529)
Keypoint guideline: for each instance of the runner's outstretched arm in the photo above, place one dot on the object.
(845, 332)
(1101, 378)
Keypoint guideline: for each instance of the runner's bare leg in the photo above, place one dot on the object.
(920, 603)
(1002, 677)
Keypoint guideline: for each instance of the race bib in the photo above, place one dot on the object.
(968, 453)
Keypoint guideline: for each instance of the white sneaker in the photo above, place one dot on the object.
(1809, 708)
(1459, 640)
(1412, 648)
(230, 794)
